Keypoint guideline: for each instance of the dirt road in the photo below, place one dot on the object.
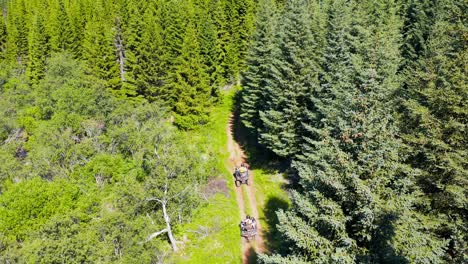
(236, 157)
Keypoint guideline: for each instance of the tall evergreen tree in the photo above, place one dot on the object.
(259, 63)
(294, 75)
(17, 28)
(37, 50)
(210, 48)
(434, 121)
(152, 77)
(191, 84)
(356, 197)
(99, 52)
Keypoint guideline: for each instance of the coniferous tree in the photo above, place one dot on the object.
(37, 50)
(435, 114)
(356, 198)
(58, 28)
(210, 49)
(77, 28)
(217, 9)
(419, 18)
(294, 75)
(99, 52)
(259, 62)
(191, 84)
(17, 28)
(240, 17)
(152, 78)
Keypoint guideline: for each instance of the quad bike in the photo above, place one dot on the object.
(248, 228)
(241, 177)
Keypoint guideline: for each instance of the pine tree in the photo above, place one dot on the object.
(435, 114)
(294, 74)
(17, 28)
(356, 197)
(210, 49)
(259, 63)
(152, 77)
(37, 50)
(192, 84)
(99, 52)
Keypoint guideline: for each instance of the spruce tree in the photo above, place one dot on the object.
(58, 27)
(259, 62)
(37, 50)
(17, 28)
(435, 114)
(356, 198)
(210, 49)
(99, 52)
(294, 75)
(152, 77)
(191, 84)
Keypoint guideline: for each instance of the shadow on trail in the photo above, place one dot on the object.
(259, 157)
(273, 238)
(251, 256)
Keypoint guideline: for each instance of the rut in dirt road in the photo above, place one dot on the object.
(236, 157)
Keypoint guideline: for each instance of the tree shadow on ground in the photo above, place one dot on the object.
(258, 157)
(252, 256)
(273, 238)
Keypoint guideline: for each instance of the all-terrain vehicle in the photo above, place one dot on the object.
(241, 175)
(248, 228)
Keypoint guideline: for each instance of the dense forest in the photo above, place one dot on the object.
(365, 101)
(369, 102)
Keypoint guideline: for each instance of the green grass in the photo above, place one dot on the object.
(213, 234)
(271, 196)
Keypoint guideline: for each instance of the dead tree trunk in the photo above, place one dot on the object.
(169, 228)
(120, 49)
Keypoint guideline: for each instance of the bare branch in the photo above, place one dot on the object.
(155, 234)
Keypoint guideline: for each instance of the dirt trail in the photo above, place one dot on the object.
(236, 157)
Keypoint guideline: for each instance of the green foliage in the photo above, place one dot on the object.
(78, 167)
(137, 48)
(434, 119)
(293, 77)
(259, 62)
(362, 195)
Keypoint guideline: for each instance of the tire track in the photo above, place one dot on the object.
(236, 157)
